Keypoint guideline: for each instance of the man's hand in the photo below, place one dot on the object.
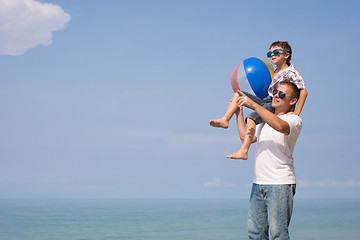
(244, 100)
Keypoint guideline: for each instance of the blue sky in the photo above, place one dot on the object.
(111, 99)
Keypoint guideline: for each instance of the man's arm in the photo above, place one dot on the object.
(274, 121)
(241, 125)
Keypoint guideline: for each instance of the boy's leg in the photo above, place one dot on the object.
(252, 120)
(233, 107)
(224, 121)
(248, 140)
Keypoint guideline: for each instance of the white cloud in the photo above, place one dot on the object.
(217, 182)
(326, 183)
(25, 24)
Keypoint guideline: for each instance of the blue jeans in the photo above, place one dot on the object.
(270, 207)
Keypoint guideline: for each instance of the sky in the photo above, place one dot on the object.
(112, 99)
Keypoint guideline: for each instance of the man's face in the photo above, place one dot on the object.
(281, 103)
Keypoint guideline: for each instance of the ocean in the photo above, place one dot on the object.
(167, 219)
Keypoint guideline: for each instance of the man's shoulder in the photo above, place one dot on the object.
(295, 123)
(291, 118)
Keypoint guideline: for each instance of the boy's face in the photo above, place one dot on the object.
(280, 59)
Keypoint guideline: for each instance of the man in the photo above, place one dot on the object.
(271, 199)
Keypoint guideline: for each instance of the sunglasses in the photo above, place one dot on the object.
(282, 95)
(275, 52)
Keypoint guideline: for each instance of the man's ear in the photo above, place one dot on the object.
(293, 101)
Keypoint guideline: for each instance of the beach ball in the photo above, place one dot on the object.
(253, 75)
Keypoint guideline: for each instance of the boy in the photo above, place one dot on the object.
(280, 55)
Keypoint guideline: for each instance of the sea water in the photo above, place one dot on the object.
(170, 219)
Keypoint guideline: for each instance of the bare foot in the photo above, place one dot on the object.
(221, 122)
(239, 155)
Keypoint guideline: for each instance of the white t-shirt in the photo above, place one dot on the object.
(274, 163)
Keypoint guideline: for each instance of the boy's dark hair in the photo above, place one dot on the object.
(294, 88)
(284, 45)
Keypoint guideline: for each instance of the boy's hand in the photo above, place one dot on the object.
(244, 100)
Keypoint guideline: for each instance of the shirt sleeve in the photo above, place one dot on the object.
(294, 122)
(296, 79)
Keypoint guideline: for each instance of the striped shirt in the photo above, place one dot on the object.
(287, 75)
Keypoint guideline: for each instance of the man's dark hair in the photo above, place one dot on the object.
(295, 90)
